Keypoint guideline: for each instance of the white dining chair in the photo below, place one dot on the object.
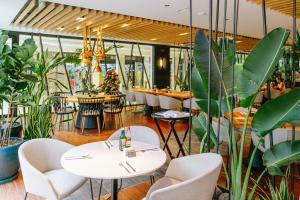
(259, 99)
(152, 100)
(140, 98)
(189, 178)
(130, 97)
(279, 135)
(169, 103)
(42, 172)
(186, 104)
(141, 134)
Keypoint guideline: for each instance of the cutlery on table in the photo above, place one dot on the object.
(130, 166)
(121, 165)
(144, 150)
(108, 141)
(80, 156)
(108, 146)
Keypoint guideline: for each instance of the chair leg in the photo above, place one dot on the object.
(98, 124)
(121, 184)
(73, 119)
(121, 121)
(82, 124)
(100, 189)
(55, 119)
(26, 196)
(152, 179)
(91, 186)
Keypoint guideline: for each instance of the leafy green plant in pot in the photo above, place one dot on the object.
(38, 121)
(14, 65)
(249, 77)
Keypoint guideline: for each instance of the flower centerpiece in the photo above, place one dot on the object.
(110, 83)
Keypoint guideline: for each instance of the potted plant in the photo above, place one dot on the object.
(111, 83)
(15, 65)
(249, 77)
(38, 120)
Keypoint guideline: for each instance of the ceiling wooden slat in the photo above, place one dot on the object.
(64, 19)
(283, 6)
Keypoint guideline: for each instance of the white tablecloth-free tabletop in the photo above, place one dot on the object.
(104, 162)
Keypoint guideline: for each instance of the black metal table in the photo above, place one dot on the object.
(172, 121)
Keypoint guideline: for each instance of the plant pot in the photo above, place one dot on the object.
(15, 130)
(9, 161)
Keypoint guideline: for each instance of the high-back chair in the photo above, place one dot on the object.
(140, 98)
(62, 108)
(195, 108)
(259, 99)
(189, 178)
(115, 108)
(152, 100)
(130, 97)
(279, 135)
(42, 172)
(141, 134)
(90, 107)
(169, 103)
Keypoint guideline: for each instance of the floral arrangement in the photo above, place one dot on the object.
(110, 83)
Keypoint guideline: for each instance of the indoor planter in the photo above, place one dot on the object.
(15, 67)
(249, 77)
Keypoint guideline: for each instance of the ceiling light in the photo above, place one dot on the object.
(78, 27)
(105, 26)
(153, 39)
(60, 28)
(201, 13)
(124, 25)
(184, 33)
(183, 9)
(80, 19)
(238, 41)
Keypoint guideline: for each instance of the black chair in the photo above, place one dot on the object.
(62, 108)
(115, 108)
(90, 107)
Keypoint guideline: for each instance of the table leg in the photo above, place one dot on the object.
(177, 138)
(184, 137)
(163, 138)
(114, 189)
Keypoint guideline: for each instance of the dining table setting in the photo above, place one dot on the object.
(105, 160)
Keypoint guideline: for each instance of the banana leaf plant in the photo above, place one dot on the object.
(249, 77)
(38, 121)
(15, 67)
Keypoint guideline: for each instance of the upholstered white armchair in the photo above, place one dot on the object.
(189, 178)
(169, 103)
(42, 172)
(186, 104)
(152, 100)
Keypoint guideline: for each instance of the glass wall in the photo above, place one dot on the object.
(179, 60)
(133, 66)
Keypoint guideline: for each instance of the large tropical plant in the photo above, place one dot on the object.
(15, 65)
(249, 77)
(38, 121)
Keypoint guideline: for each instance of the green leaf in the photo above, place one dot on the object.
(30, 77)
(280, 155)
(260, 63)
(200, 128)
(274, 113)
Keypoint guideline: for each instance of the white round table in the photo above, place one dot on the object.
(104, 163)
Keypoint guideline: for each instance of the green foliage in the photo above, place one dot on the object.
(249, 78)
(281, 193)
(111, 83)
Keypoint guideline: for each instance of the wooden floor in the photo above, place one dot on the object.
(15, 189)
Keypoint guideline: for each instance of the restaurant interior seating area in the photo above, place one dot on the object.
(149, 100)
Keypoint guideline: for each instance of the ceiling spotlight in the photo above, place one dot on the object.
(183, 9)
(77, 28)
(124, 25)
(80, 19)
(184, 33)
(201, 13)
(153, 39)
(60, 28)
(105, 26)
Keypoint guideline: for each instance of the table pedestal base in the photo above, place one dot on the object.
(114, 189)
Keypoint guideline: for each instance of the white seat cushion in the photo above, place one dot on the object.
(161, 183)
(64, 182)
